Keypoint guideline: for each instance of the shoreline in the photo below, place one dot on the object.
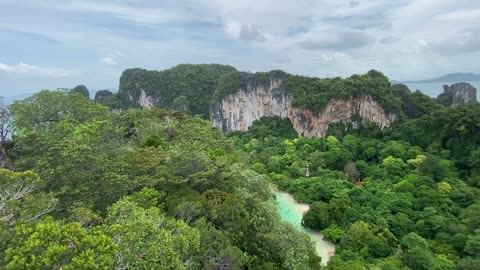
(292, 212)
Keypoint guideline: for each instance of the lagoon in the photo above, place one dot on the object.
(292, 212)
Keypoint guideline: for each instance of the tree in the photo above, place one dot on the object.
(468, 264)
(20, 199)
(44, 110)
(216, 250)
(473, 244)
(101, 95)
(432, 167)
(52, 245)
(351, 171)
(359, 234)
(394, 166)
(333, 233)
(4, 130)
(148, 240)
(317, 217)
(82, 90)
(181, 103)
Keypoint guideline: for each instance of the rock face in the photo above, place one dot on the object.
(238, 111)
(145, 101)
(460, 93)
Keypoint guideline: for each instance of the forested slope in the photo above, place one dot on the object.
(195, 88)
(401, 198)
(88, 186)
(91, 188)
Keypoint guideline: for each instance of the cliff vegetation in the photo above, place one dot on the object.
(405, 197)
(201, 86)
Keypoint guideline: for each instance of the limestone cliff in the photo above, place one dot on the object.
(457, 94)
(233, 99)
(238, 111)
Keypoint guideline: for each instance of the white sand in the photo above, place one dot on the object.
(325, 249)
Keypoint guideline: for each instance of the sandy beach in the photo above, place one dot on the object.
(292, 212)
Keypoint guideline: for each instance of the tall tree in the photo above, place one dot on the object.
(4, 130)
(81, 89)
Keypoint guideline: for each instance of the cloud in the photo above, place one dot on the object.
(111, 59)
(245, 32)
(25, 70)
(350, 4)
(404, 38)
(362, 22)
(251, 32)
(108, 60)
(326, 58)
(138, 12)
(389, 39)
(335, 41)
(353, 3)
(25, 36)
(463, 42)
(459, 15)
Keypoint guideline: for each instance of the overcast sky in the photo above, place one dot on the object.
(62, 43)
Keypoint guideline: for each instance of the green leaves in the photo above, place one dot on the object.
(148, 240)
(183, 87)
(43, 110)
(52, 245)
(20, 199)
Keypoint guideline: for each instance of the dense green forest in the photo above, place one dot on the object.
(106, 185)
(195, 88)
(401, 198)
(85, 187)
(184, 86)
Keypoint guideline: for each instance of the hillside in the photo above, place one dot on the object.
(94, 182)
(134, 189)
(208, 90)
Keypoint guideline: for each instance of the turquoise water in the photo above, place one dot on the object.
(292, 212)
(434, 89)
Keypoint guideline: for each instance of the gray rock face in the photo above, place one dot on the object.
(460, 93)
(239, 110)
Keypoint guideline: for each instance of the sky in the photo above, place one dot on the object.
(51, 44)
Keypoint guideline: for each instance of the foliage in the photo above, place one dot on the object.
(196, 83)
(455, 129)
(315, 96)
(415, 104)
(150, 189)
(52, 245)
(20, 199)
(411, 207)
(82, 90)
(267, 127)
(197, 88)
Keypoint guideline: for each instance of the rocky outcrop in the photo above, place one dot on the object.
(239, 110)
(145, 101)
(354, 110)
(459, 93)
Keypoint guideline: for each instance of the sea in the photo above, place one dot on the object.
(435, 89)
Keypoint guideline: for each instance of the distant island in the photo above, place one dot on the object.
(452, 77)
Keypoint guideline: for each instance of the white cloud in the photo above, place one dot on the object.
(108, 60)
(150, 14)
(111, 59)
(25, 70)
(233, 29)
(245, 32)
(460, 15)
(407, 39)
